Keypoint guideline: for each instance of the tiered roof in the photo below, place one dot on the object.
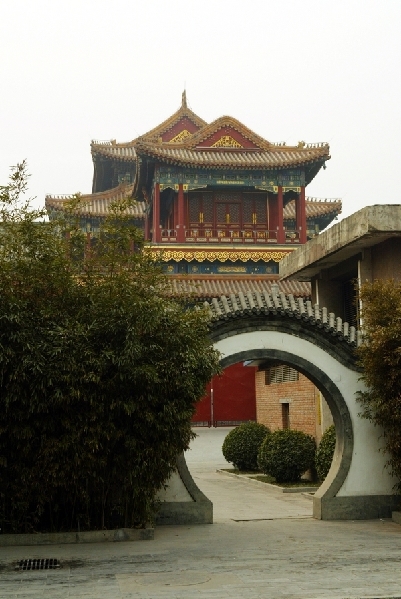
(184, 139)
(227, 143)
(163, 133)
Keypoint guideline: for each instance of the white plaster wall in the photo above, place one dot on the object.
(367, 475)
(175, 491)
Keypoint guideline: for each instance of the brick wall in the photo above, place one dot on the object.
(303, 399)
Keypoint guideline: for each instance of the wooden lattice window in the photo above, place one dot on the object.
(247, 210)
(226, 196)
(234, 212)
(208, 208)
(254, 209)
(221, 213)
(260, 211)
(194, 208)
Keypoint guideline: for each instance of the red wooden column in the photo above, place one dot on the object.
(175, 212)
(156, 214)
(280, 216)
(300, 209)
(147, 226)
(180, 215)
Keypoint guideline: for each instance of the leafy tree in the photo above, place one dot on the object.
(99, 371)
(380, 357)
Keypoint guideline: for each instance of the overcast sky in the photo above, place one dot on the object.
(291, 70)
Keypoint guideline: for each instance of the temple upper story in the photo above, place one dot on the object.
(211, 183)
(217, 198)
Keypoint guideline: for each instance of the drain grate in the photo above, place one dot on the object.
(38, 564)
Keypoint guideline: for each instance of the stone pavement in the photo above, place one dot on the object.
(263, 544)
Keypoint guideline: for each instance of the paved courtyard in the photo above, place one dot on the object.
(263, 544)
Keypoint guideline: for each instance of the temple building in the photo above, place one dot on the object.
(221, 203)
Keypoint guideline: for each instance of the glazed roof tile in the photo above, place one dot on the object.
(216, 287)
(123, 151)
(98, 204)
(277, 303)
(315, 208)
(275, 157)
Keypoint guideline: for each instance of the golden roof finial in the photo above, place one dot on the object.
(184, 99)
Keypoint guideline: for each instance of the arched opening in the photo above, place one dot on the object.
(327, 362)
(336, 402)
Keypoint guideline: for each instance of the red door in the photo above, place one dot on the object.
(230, 398)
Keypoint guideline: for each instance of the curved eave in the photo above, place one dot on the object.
(315, 209)
(97, 205)
(245, 159)
(122, 152)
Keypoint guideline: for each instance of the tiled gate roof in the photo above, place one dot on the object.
(276, 302)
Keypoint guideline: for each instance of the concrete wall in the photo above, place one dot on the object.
(385, 260)
(328, 293)
(363, 229)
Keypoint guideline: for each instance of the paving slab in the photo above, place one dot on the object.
(263, 544)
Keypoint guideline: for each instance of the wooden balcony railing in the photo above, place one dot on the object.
(224, 236)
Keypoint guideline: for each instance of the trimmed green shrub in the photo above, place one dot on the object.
(287, 454)
(325, 452)
(242, 444)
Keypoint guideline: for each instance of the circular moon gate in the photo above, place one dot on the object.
(285, 330)
(291, 331)
(261, 342)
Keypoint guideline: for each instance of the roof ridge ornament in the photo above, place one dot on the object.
(184, 99)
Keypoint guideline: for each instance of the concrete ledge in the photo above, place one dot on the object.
(185, 513)
(90, 536)
(363, 229)
(303, 489)
(356, 507)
